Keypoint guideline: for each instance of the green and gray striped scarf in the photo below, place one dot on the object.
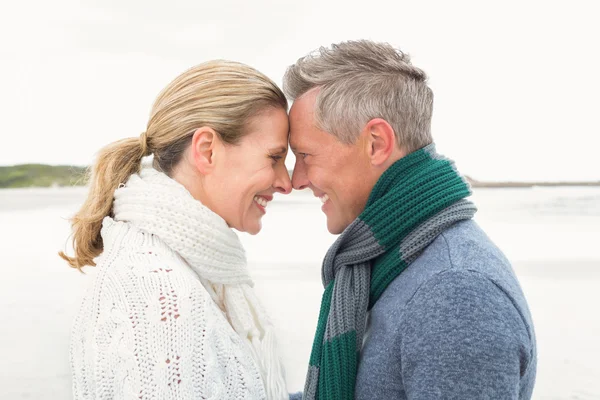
(415, 200)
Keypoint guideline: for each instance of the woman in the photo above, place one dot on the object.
(172, 313)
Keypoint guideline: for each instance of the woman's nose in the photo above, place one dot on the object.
(282, 183)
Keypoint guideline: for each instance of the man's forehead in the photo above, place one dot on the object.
(304, 104)
(294, 141)
(302, 121)
(301, 129)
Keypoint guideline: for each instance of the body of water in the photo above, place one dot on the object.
(550, 234)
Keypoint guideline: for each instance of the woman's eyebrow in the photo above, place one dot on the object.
(278, 150)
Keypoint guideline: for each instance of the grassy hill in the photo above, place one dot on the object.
(40, 175)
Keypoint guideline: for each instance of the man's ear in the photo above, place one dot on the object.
(204, 143)
(381, 140)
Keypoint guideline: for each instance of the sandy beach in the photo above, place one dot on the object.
(551, 236)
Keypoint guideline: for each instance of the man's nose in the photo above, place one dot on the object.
(299, 177)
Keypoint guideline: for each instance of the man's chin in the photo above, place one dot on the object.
(334, 227)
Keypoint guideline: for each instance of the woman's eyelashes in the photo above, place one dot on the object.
(275, 157)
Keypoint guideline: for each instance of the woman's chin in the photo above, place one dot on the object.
(253, 227)
(254, 231)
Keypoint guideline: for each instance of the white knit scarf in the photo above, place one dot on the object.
(161, 206)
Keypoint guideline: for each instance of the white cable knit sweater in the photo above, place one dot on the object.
(171, 313)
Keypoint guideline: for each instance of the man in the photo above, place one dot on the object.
(447, 317)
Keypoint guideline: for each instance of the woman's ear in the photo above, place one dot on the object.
(204, 143)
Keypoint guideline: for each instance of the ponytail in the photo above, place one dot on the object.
(220, 94)
(115, 164)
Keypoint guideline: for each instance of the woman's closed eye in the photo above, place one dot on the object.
(275, 157)
(303, 155)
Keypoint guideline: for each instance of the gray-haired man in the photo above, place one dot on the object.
(447, 317)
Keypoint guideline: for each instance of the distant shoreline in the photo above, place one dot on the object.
(511, 184)
(43, 175)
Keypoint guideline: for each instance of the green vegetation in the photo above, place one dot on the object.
(41, 175)
(27, 175)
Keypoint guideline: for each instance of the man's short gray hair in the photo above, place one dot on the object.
(360, 81)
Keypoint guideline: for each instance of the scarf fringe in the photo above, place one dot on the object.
(254, 326)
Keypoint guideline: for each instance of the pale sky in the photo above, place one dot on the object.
(516, 83)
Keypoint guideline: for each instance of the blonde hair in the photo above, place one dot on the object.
(362, 80)
(222, 95)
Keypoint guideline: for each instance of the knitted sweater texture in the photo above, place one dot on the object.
(415, 200)
(171, 312)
